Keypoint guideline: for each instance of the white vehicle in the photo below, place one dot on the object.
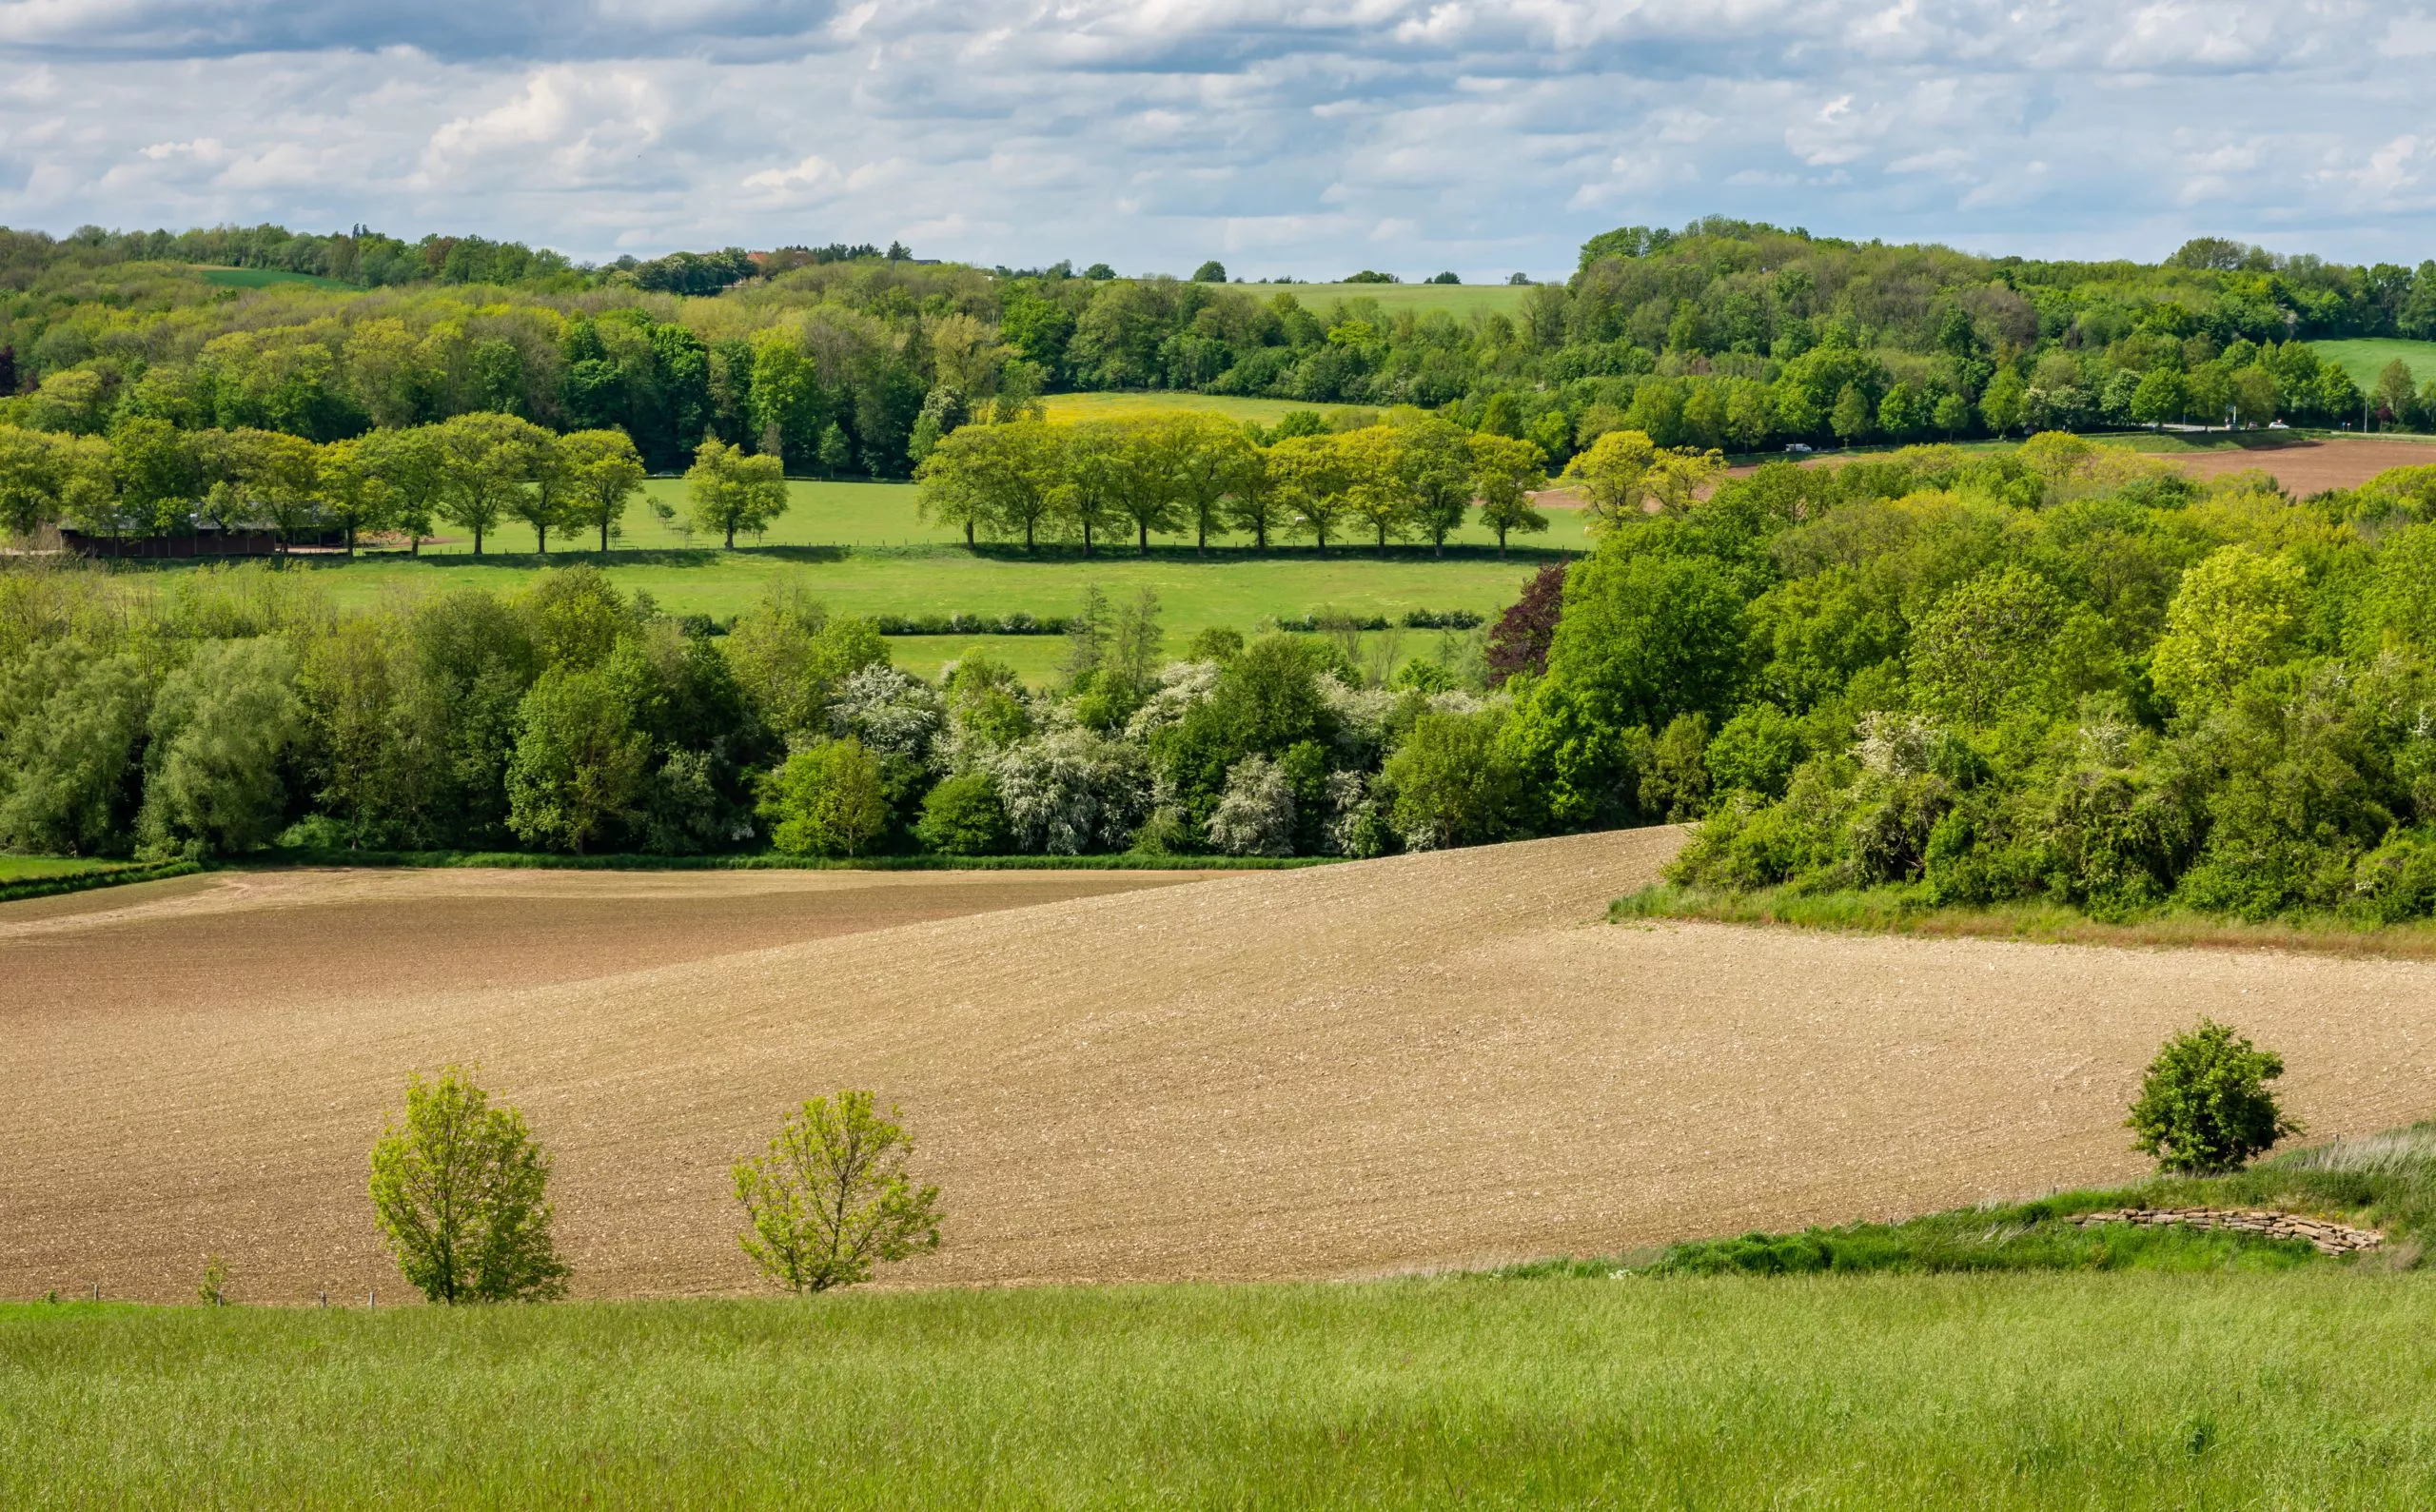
(1797, 447)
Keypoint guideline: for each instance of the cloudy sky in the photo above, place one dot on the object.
(1305, 137)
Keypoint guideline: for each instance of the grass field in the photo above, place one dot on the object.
(42, 868)
(265, 277)
(1063, 408)
(1455, 299)
(2299, 1389)
(2366, 358)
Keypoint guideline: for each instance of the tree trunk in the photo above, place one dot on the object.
(1145, 548)
(1087, 540)
(967, 535)
(540, 540)
(604, 535)
(478, 540)
(731, 534)
(1501, 543)
(350, 541)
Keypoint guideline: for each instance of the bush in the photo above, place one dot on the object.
(579, 767)
(1454, 783)
(831, 1198)
(459, 1191)
(963, 816)
(2204, 1106)
(829, 799)
(222, 731)
(1256, 815)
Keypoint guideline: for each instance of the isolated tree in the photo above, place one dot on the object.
(1849, 419)
(460, 1191)
(2204, 1106)
(831, 1198)
(731, 491)
(1505, 471)
(603, 474)
(2396, 393)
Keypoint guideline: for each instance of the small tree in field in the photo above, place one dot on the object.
(831, 1198)
(459, 1192)
(2204, 1106)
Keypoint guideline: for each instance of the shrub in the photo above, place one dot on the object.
(1071, 792)
(579, 767)
(2204, 1106)
(1256, 815)
(828, 799)
(222, 731)
(963, 816)
(831, 1198)
(1454, 783)
(458, 1191)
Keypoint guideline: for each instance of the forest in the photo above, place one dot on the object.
(1728, 335)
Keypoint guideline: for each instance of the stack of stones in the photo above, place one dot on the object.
(2329, 1239)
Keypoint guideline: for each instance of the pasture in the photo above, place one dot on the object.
(2022, 1391)
(2365, 357)
(1434, 1060)
(1070, 407)
(1459, 299)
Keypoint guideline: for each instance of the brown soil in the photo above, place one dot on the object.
(1429, 1060)
(2306, 467)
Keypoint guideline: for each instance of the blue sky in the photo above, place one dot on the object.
(1281, 137)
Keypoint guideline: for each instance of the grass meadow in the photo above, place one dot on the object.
(1458, 300)
(252, 278)
(2367, 357)
(2302, 1389)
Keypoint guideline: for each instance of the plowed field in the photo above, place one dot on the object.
(1422, 1061)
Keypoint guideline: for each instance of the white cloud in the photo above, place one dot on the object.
(1156, 133)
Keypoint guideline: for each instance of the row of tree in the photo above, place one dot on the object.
(1200, 475)
(479, 472)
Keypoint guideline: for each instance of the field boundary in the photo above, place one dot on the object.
(85, 881)
(1895, 912)
(1126, 861)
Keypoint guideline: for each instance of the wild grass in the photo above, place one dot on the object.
(1908, 910)
(2303, 1389)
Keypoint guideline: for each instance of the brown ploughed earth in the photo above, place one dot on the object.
(1431, 1060)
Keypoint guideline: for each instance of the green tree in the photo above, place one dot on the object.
(1100, 481)
(829, 798)
(31, 479)
(603, 475)
(831, 1198)
(1378, 491)
(2396, 392)
(579, 764)
(2235, 612)
(413, 467)
(2159, 397)
(1612, 474)
(2204, 1106)
(2001, 403)
(486, 460)
(962, 817)
(222, 728)
(543, 500)
(1505, 472)
(1850, 419)
(461, 1193)
(837, 454)
(994, 478)
(1310, 475)
(1435, 464)
(2256, 395)
(1455, 783)
(353, 491)
(731, 491)
(1211, 467)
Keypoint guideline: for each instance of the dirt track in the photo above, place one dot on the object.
(1428, 1060)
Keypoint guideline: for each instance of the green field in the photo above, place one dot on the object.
(44, 868)
(1166, 402)
(2300, 1389)
(1456, 298)
(2366, 358)
(265, 277)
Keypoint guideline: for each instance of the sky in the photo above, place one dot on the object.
(1282, 137)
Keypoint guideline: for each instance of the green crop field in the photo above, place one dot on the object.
(2366, 358)
(2306, 1388)
(43, 868)
(265, 277)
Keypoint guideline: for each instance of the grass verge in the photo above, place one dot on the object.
(2304, 1388)
(1908, 910)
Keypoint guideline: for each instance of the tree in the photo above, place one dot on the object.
(2396, 392)
(2159, 397)
(1612, 475)
(2204, 1106)
(461, 1192)
(2256, 395)
(1435, 465)
(837, 454)
(1097, 479)
(222, 728)
(1505, 472)
(1849, 419)
(485, 460)
(1377, 491)
(830, 798)
(2235, 612)
(542, 503)
(159, 474)
(731, 491)
(579, 763)
(995, 477)
(1309, 474)
(1454, 782)
(32, 476)
(603, 474)
(1519, 643)
(831, 1198)
(353, 491)
(963, 816)
(1680, 478)
(413, 469)
(1212, 466)
(1213, 271)
(2001, 404)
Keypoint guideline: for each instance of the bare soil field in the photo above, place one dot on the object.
(1431, 1060)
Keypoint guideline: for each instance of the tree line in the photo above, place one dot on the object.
(1198, 475)
(1729, 335)
(481, 472)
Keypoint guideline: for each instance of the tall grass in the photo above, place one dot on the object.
(2304, 1390)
